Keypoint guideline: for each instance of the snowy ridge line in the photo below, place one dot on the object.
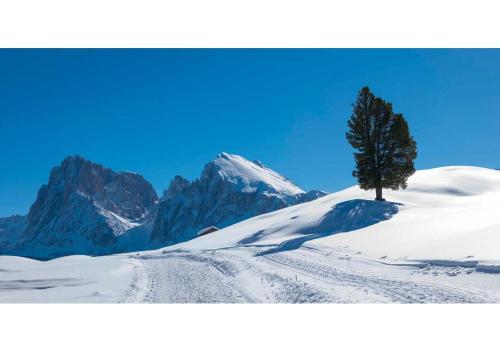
(238, 169)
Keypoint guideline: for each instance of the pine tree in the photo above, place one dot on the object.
(385, 148)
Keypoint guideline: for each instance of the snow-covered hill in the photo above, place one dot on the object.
(436, 241)
(448, 213)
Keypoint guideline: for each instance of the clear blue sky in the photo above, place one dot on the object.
(167, 112)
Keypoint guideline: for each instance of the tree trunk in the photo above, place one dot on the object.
(378, 194)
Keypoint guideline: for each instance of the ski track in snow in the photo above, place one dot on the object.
(306, 275)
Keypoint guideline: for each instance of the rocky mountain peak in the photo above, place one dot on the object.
(84, 207)
(127, 194)
(177, 185)
(230, 189)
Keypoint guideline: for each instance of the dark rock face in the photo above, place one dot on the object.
(126, 194)
(309, 196)
(230, 189)
(83, 208)
(11, 229)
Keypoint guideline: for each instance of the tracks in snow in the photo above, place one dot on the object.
(305, 275)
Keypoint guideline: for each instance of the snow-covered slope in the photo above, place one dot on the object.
(449, 213)
(69, 279)
(229, 190)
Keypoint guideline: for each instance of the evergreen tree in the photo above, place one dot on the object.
(385, 148)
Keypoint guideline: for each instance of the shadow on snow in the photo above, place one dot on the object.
(343, 217)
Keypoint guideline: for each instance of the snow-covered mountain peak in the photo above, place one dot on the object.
(252, 176)
(230, 189)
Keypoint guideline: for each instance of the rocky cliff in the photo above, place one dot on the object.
(83, 209)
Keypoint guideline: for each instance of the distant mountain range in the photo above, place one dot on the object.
(88, 209)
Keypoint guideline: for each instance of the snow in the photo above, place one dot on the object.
(436, 241)
(118, 224)
(68, 279)
(250, 174)
(448, 213)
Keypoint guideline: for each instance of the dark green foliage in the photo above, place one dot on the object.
(385, 148)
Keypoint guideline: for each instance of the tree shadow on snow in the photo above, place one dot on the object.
(343, 217)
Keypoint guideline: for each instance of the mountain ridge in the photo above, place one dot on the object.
(87, 208)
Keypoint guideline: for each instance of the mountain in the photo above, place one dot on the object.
(89, 209)
(83, 209)
(11, 228)
(230, 189)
